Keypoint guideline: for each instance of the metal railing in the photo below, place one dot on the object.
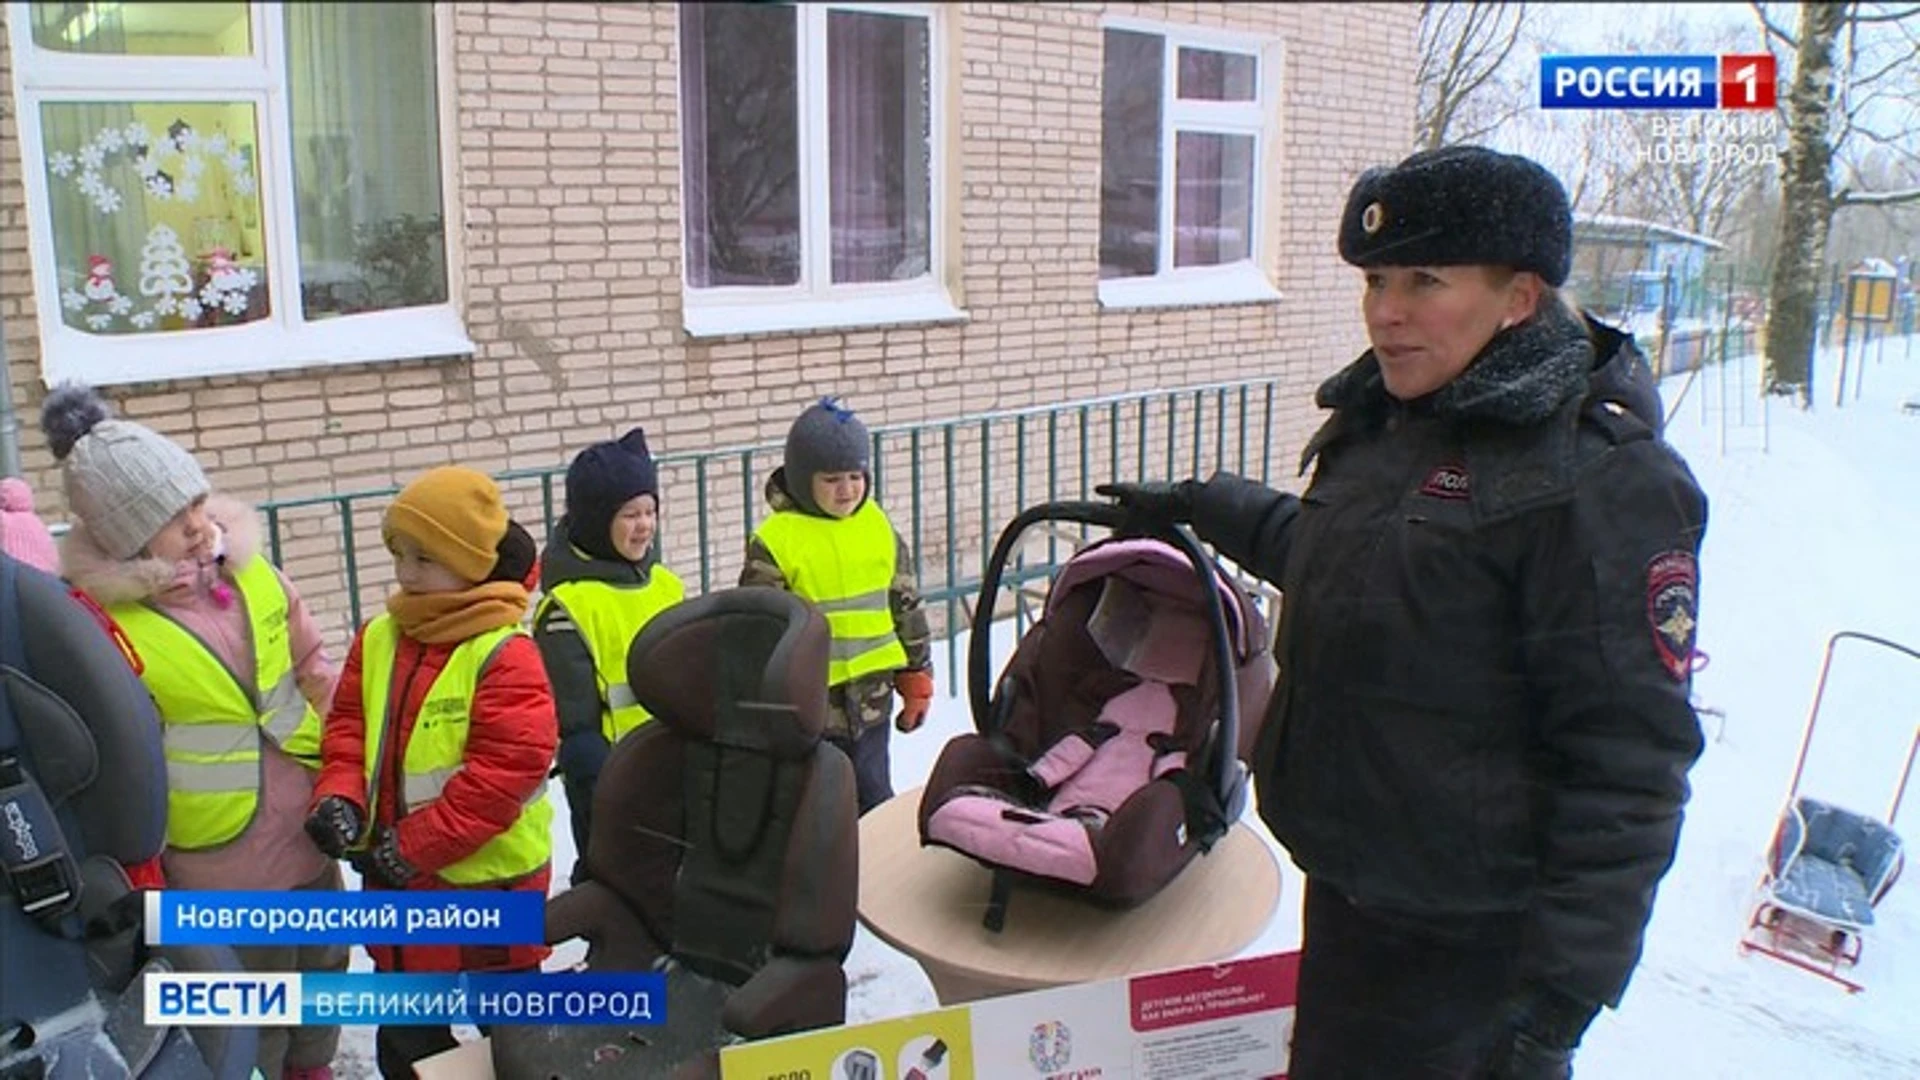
(948, 485)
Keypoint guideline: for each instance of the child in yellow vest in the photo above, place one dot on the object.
(604, 582)
(443, 805)
(831, 544)
(235, 665)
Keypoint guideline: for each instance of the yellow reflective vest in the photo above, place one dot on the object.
(845, 567)
(608, 618)
(212, 718)
(437, 746)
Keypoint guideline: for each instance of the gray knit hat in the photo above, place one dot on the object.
(826, 438)
(123, 481)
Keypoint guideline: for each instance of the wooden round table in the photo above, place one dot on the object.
(928, 903)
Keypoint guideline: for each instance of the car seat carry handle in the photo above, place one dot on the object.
(1223, 775)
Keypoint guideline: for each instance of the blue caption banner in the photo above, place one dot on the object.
(1629, 82)
(230, 999)
(453, 998)
(306, 917)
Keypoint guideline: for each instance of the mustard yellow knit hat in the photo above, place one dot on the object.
(455, 515)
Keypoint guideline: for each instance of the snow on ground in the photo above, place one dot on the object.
(1814, 528)
(1812, 535)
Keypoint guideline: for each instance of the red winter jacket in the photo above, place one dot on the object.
(510, 747)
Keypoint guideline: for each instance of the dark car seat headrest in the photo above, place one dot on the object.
(90, 724)
(776, 641)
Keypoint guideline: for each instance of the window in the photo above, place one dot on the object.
(217, 188)
(1184, 128)
(810, 166)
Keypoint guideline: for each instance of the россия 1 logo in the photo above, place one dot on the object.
(1734, 81)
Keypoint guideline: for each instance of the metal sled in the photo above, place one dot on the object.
(1828, 867)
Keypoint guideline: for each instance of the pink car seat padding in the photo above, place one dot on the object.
(1152, 565)
(1054, 847)
(1067, 757)
(1150, 634)
(1123, 764)
(1058, 842)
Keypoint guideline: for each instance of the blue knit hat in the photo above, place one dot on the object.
(601, 480)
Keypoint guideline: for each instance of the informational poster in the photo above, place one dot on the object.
(1226, 1021)
(1222, 1022)
(925, 1046)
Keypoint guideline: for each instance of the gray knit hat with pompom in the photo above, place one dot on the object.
(123, 481)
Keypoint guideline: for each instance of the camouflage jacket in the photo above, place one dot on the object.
(868, 700)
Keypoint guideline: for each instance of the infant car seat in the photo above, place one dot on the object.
(83, 794)
(724, 846)
(1112, 750)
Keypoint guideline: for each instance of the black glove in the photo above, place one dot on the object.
(334, 825)
(1524, 1058)
(384, 864)
(1547, 1026)
(1159, 501)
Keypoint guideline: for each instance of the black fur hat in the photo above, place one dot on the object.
(1457, 206)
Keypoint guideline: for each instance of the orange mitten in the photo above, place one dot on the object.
(916, 697)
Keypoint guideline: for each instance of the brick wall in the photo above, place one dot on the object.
(568, 150)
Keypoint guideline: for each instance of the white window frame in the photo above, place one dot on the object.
(284, 339)
(815, 302)
(1245, 281)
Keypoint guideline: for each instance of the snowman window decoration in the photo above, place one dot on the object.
(165, 168)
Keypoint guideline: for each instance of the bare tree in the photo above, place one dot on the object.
(1467, 87)
(1882, 230)
(1697, 182)
(1853, 66)
(1621, 161)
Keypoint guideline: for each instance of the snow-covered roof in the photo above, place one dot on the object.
(1611, 223)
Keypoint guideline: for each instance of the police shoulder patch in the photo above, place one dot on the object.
(1673, 579)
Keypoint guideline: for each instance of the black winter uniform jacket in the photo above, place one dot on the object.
(1485, 647)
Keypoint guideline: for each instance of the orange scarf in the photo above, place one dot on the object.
(448, 618)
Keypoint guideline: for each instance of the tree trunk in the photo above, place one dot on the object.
(1806, 210)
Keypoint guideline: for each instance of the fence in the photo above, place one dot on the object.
(949, 486)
